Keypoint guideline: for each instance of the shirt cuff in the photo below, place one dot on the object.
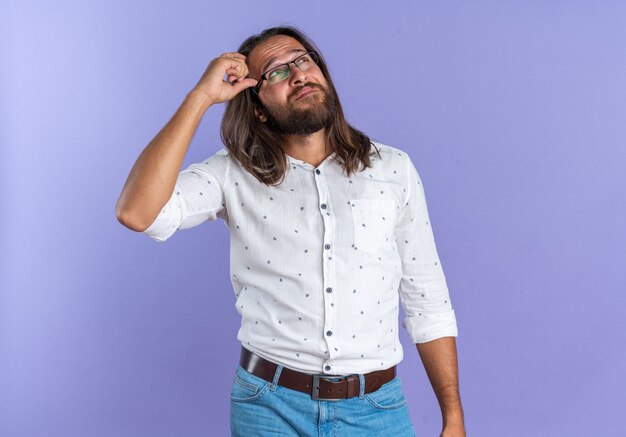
(427, 327)
(167, 222)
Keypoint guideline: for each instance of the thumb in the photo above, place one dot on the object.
(245, 83)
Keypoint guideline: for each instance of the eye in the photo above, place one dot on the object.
(278, 73)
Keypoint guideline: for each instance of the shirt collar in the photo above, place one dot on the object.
(299, 162)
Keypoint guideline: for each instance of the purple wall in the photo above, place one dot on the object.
(514, 114)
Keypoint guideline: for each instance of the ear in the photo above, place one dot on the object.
(260, 114)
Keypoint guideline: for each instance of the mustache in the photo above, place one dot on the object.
(310, 85)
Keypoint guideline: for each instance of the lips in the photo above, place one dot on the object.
(305, 92)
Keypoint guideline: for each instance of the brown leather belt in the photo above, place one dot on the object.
(316, 385)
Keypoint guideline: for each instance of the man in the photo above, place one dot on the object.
(328, 230)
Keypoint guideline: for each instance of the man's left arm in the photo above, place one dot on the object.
(429, 317)
(440, 362)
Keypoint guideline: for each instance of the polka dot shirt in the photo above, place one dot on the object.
(320, 263)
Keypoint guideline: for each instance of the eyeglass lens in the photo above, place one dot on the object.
(281, 72)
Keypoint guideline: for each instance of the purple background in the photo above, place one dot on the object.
(513, 112)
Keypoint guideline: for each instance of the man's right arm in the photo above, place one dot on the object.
(153, 177)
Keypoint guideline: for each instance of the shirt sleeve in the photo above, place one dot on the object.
(198, 196)
(423, 290)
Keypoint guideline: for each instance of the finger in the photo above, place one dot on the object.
(235, 76)
(235, 67)
(235, 55)
(232, 75)
(236, 70)
(240, 65)
(236, 60)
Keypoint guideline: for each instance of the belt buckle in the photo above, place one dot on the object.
(315, 394)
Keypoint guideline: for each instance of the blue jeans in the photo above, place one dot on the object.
(263, 408)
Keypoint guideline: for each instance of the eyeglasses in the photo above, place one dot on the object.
(282, 72)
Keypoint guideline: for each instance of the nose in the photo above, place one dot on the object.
(296, 75)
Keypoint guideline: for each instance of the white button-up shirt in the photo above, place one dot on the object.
(319, 263)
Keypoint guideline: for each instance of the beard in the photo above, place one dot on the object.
(303, 117)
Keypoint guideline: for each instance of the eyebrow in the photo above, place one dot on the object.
(272, 60)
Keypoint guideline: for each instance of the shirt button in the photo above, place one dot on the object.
(327, 246)
(329, 333)
(327, 367)
(317, 170)
(323, 205)
(329, 290)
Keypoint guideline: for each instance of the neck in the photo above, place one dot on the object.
(308, 148)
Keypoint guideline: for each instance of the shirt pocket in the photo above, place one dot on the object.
(373, 221)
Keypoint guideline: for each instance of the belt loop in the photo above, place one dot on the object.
(361, 385)
(279, 369)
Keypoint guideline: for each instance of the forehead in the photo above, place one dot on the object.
(275, 50)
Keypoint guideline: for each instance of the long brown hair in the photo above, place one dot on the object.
(259, 150)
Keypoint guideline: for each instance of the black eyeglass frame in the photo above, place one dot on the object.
(314, 56)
